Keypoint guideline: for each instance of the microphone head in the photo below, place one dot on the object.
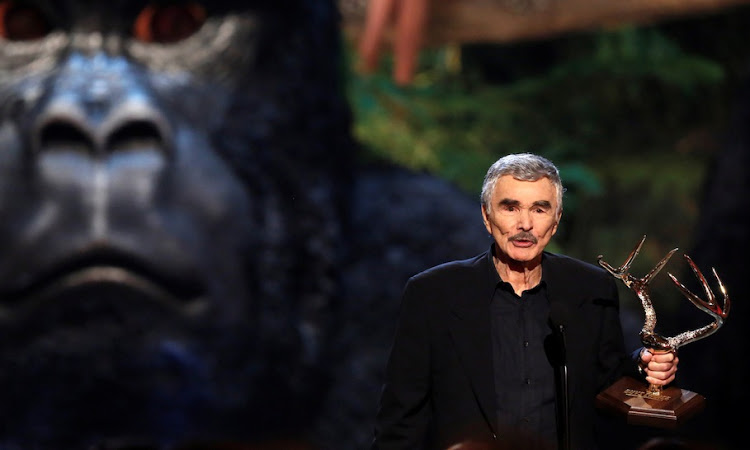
(559, 317)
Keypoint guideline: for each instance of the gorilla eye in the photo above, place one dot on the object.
(21, 22)
(168, 23)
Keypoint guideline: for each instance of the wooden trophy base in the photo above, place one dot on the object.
(630, 398)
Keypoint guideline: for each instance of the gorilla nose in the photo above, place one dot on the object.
(99, 106)
(69, 126)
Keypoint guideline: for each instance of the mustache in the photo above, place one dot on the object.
(523, 236)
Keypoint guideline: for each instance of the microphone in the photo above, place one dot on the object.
(559, 317)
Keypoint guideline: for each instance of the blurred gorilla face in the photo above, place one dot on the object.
(167, 237)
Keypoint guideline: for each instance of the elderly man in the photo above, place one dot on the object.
(474, 361)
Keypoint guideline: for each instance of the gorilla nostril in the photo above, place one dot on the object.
(62, 135)
(135, 135)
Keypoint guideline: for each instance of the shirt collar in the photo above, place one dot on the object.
(494, 277)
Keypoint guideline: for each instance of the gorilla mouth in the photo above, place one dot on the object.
(182, 294)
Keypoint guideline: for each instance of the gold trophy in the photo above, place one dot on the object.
(652, 405)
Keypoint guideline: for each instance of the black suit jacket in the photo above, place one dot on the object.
(439, 387)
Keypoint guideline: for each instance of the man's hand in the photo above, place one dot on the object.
(658, 366)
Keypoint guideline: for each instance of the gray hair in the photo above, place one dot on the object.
(524, 167)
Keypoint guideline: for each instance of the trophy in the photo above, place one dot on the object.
(654, 405)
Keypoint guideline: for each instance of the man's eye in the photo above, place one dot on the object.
(20, 22)
(168, 23)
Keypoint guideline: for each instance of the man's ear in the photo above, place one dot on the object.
(485, 218)
(557, 222)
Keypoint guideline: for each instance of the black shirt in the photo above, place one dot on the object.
(524, 378)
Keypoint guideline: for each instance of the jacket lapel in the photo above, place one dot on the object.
(470, 328)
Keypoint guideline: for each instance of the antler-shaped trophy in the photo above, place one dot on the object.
(653, 406)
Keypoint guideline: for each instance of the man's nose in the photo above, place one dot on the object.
(524, 221)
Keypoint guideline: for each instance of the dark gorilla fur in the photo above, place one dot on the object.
(191, 251)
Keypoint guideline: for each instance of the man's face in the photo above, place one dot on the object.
(523, 217)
